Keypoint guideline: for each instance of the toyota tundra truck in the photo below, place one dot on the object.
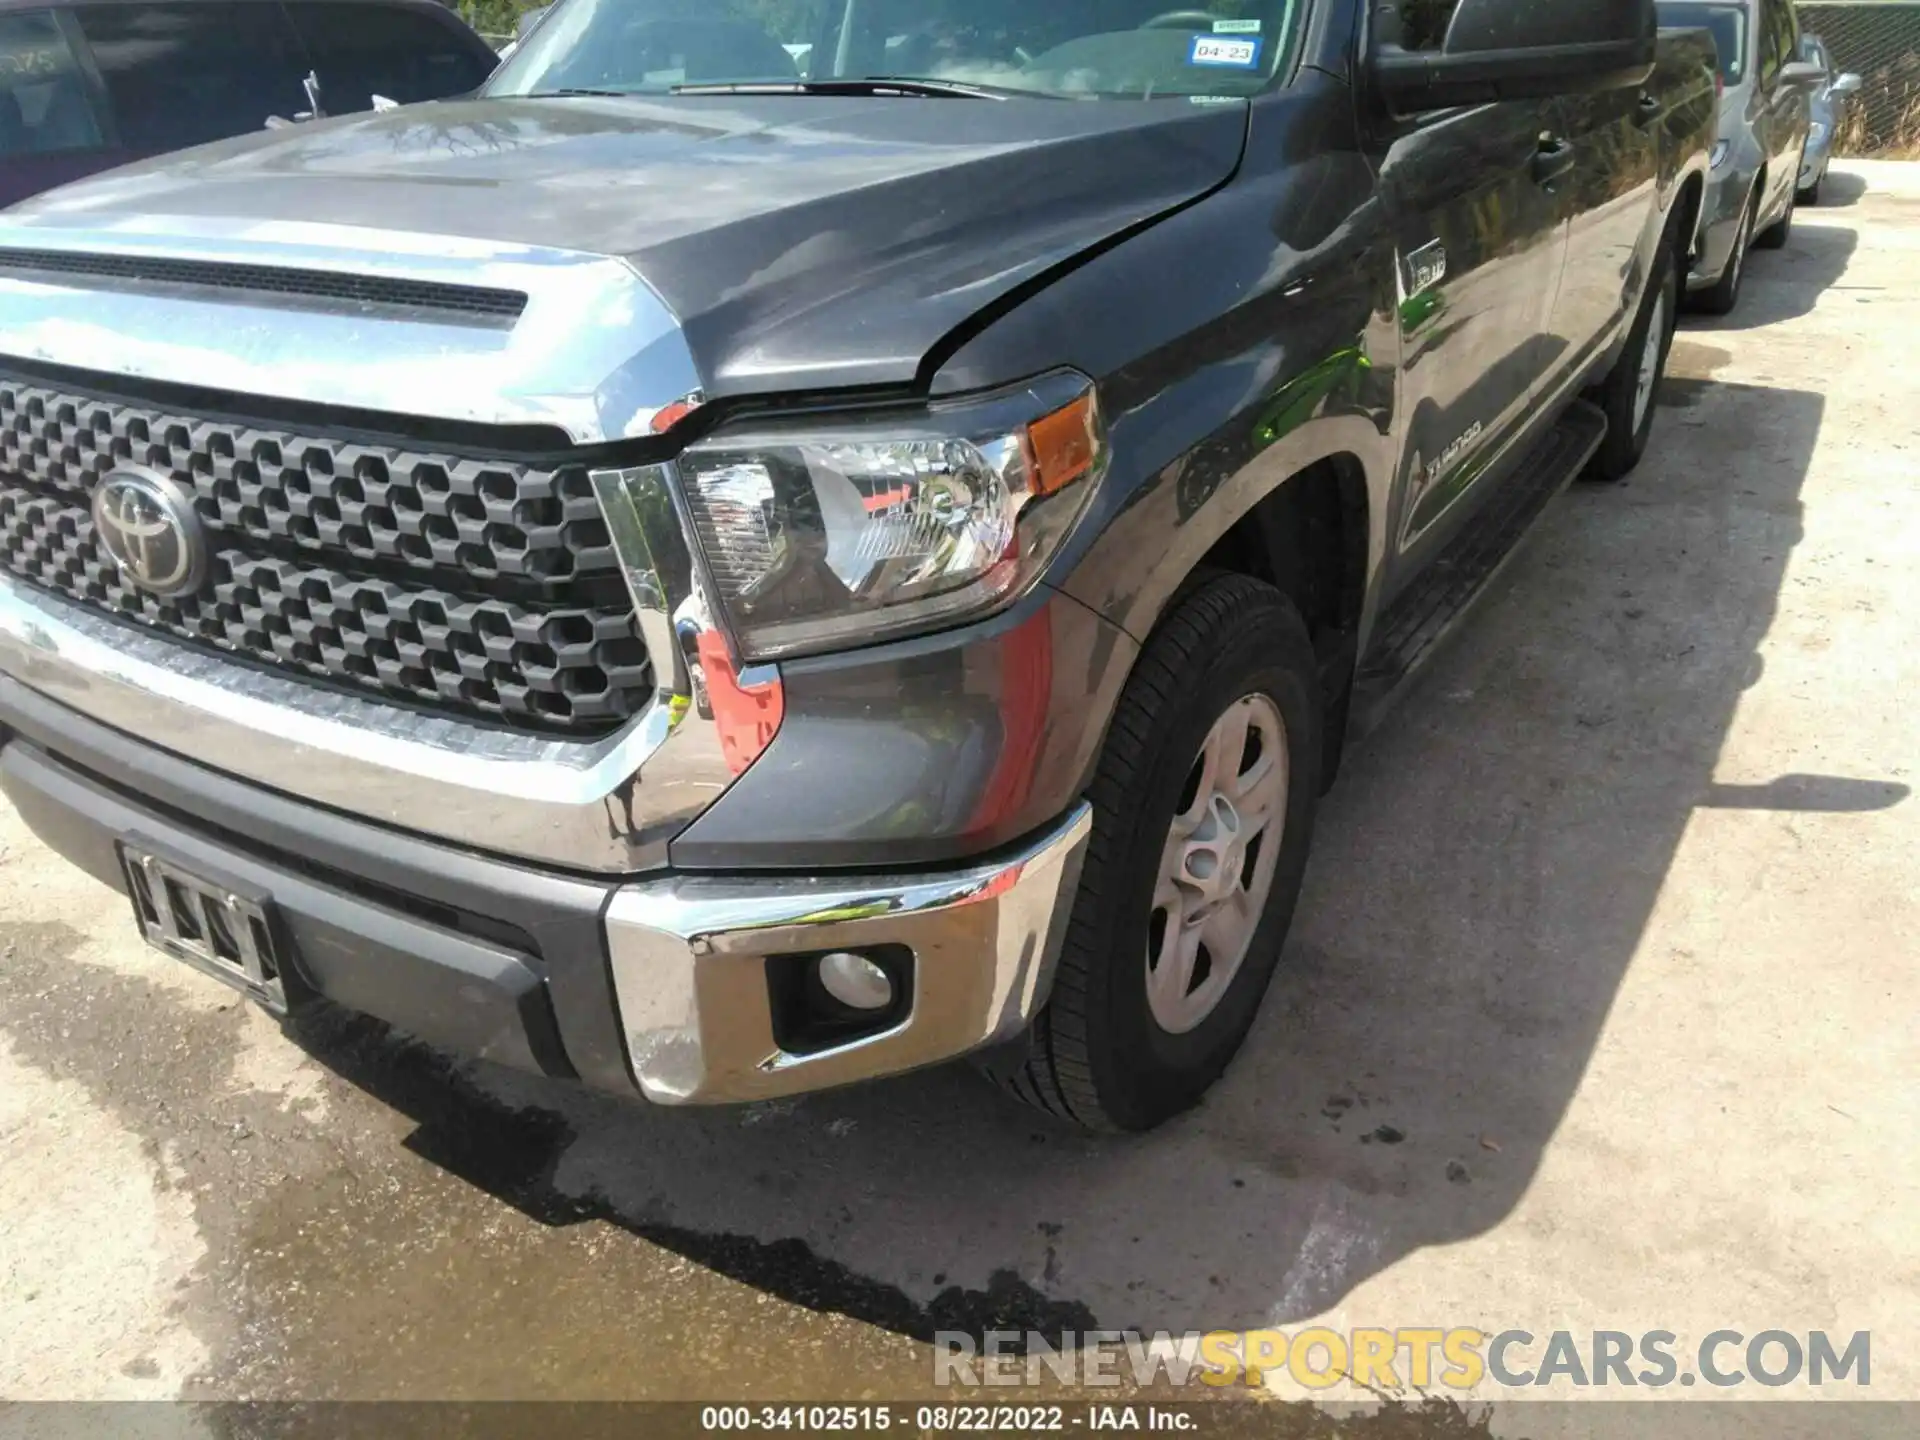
(784, 542)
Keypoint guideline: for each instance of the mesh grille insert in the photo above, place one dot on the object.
(471, 586)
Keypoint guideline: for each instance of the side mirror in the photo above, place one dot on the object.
(1848, 84)
(1803, 73)
(1511, 50)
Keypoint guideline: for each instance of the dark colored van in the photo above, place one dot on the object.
(90, 86)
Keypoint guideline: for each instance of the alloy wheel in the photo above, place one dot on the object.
(1650, 354)
(1216, 869)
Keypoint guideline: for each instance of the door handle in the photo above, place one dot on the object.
(1552, 160)
(1647, 111)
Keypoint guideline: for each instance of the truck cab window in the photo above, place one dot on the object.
(361, 50)
(185, 74)
(43, 101)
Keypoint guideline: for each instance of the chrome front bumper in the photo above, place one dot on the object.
(660, 986)
(690, 969)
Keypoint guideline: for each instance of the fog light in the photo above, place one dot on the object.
(855, 981)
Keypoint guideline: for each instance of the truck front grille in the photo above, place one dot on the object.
(470, 585)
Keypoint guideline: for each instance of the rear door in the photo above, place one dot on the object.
(361, 49)
(1472, 197)
(52, 128)
(185, 72)
(1612, 197)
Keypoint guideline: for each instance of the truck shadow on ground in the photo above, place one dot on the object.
(1483, 878)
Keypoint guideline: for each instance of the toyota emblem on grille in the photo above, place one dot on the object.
(147, 524)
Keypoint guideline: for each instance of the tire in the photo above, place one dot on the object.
(1099, 1057)
(1776, 235)
(1630, 392)
(1724, 294)
(1811, 195)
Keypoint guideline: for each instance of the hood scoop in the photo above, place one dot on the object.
(371, 296)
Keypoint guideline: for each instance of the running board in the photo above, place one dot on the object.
(1422, 619)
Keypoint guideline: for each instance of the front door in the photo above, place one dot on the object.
(1474, 200)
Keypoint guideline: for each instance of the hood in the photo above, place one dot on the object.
(795, 243)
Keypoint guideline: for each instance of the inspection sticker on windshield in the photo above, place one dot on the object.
(1236, 27)
(1214, 50)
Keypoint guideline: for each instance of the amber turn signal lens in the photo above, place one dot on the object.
(1065, 445)
(669, 416)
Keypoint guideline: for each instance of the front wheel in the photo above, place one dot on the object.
(1203, 812)
(1724, 294)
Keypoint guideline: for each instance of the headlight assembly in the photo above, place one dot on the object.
(828, 532)
(1721, 149)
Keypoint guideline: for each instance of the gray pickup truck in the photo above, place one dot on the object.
(784, 542)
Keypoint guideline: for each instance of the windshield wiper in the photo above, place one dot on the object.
(857, 85)
(571, 93)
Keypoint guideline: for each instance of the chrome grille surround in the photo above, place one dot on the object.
(459, 583)
(609, 805)
(595, 355)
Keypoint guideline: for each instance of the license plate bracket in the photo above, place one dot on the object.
(213, 923)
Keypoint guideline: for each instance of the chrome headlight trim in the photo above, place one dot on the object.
(1035, 487)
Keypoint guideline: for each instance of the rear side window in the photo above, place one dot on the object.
(181, 75)
(43, 100)
(361, 50)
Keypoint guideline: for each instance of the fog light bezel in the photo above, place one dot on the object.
(809, 1020)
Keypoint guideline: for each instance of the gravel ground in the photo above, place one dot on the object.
(1599, 1013)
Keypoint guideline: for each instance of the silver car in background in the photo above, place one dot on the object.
(1829, 105)
(1765, 91)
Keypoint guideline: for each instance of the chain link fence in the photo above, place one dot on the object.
(1881, 43)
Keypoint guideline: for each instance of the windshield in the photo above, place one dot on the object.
(1729, 26)
(1082, 49)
